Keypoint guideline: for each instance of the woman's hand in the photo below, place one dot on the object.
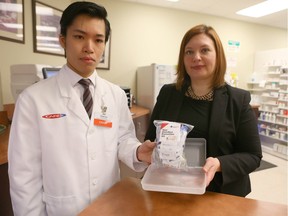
(144, 151)
(211, 166)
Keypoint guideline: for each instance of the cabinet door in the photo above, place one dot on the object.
(141, 124)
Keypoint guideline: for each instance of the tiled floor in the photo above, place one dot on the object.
(270, 184)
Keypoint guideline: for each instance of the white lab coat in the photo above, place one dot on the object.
(59, 165)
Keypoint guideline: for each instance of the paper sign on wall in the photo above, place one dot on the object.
(233, 46)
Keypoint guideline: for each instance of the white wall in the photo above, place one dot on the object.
(142, 35)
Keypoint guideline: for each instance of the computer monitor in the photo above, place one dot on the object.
(49, 71)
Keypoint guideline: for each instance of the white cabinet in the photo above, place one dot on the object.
(270, 90)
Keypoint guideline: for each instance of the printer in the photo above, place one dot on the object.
(24, 75)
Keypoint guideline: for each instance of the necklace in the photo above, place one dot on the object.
(206, 97)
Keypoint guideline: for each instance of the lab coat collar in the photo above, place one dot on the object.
(65, 81)
(73, 101)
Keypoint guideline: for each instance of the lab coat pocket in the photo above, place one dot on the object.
(64, 205)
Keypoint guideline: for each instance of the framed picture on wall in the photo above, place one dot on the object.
(105, 60)
(46, 29)
(12, 20)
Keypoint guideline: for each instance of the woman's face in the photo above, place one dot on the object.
(200, 58)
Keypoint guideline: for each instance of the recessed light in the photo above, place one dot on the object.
(173, 0)
(264, 8)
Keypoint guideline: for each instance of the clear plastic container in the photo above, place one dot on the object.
(191, 180)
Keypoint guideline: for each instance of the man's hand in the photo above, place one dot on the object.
(144, 151)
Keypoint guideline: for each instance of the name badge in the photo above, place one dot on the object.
(102, 120)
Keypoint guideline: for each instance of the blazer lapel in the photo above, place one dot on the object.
(218, 111)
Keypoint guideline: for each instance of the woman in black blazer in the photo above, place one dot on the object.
(219, 113)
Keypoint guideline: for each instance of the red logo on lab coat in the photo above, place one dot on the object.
(53, 116)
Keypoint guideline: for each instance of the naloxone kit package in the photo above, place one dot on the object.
(170, 138)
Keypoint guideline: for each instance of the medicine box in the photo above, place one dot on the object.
(190, 181)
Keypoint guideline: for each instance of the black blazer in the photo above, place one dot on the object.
(233, 134)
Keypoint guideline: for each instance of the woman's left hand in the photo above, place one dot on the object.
(211, 166)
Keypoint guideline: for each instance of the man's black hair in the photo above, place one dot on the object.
(87, 8)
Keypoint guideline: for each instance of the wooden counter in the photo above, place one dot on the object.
(138, 111)
(127, 198)
(9, 108)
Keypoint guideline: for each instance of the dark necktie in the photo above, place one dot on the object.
(87, 96)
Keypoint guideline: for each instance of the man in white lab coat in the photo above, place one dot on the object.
(60, 160)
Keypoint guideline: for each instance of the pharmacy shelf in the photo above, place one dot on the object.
(271, 151)
(269, 88)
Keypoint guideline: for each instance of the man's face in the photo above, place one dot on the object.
(84, 44)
